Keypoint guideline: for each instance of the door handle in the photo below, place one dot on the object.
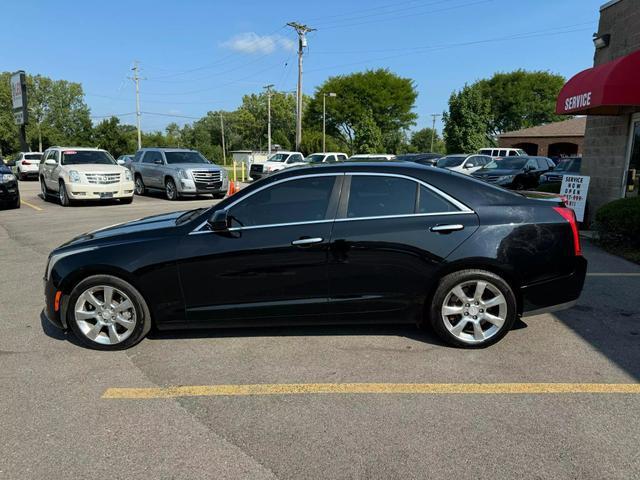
(446, 228)
(307, 241)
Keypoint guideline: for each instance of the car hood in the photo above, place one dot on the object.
(495, 172)
(143, 227)
(95, 168)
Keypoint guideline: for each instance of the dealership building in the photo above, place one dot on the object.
(609, 94)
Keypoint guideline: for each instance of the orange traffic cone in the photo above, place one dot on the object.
(232, 188)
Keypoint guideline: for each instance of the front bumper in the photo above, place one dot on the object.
(9, 192)
(55, 318)
(90, 191)
(191, 187)
(556, 294)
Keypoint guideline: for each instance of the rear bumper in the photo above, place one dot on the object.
(100, 192)
(553, 295)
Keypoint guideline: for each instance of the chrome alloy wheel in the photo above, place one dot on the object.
(105, 314)
(474, 311)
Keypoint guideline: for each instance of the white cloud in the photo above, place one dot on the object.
(251, 42)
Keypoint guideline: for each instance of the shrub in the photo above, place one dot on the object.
(549, 187)
(619, 221)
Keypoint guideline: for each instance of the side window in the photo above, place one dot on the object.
(373, 196)
(44, 157)
(542, 164)
(471, 162)
(295, 158)
(342, 158)
(331, 159)
(54, 155)
(150, 156)
(430, 202)
(502, 153)
(300, 200)
(513, 153)
(138, 156)
(531, 163)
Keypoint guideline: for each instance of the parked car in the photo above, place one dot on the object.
(9, 192)
(371, 157)
(565, 166)
(79, 173)
(27, 165)
(328, 157)
(336, 243)
(464, 163)
(517, 173)
(421, 158)
(277, 161)
(178, 172)
(500, 152)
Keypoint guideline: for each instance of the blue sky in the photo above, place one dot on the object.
(204, 55)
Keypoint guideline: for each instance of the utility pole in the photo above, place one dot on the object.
(324, 119)
(433, 127)
(302, 31)
(268, 89)
(136, 78)
(224, 153)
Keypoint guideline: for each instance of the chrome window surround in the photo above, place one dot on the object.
(463, 209)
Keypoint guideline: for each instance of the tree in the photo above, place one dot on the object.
(115, 138)
(421, 141)
(522, 99)
(368, 136)
(468, 121)
(374, 96)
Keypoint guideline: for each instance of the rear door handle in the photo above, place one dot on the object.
(307, 241)
(446, 228)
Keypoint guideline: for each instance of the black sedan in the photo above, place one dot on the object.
(566, 166)
(517, 173)
(421, 158)
(9, 193)
(340, 243)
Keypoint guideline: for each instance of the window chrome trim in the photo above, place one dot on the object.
(464, 210)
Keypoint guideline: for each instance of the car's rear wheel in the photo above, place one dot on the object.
(62, 194)
(126, 201)
(139, 186)
(473, 308)
(170, 189)
(107, 313)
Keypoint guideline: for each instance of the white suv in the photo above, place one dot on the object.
(77, 173)
(27, 164)
(277, 161)
(497, 152)
(328, 157)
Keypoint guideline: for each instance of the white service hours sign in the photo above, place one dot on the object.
(16, 90)
(574, 188)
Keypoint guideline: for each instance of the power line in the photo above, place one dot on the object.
(136, 78)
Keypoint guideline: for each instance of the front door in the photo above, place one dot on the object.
(390, 236)
(632, 187)
(272, 264)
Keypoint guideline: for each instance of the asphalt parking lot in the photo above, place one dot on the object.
(290, 402)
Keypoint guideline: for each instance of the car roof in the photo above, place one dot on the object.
(88, 149)
(169, 149)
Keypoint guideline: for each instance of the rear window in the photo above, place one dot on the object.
(84, 157)
(373, 196)
(33, 156)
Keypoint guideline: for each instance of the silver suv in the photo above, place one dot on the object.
(178, 172)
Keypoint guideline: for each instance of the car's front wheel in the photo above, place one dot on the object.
(170, 189)
(473, 308)
(62, 195)
(107, 313)
(140, 189)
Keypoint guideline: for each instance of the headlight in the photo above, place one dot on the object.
(7, 177)
(74, 176)
(223, 172)
(506, 178)
(182, 173)
(127, 175)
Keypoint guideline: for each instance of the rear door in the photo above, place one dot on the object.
(390, 236)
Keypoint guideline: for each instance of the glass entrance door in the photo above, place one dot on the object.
(632, 187)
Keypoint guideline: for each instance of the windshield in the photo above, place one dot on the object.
(513, 163)
(452, 161)
(184, 157)
(84, 157)
(33, 156)
(317, 158)
(278, 157)
(569, 165)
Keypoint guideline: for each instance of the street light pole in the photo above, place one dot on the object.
(433, 128)
(302, 31)
(324, 119)
(268, 89)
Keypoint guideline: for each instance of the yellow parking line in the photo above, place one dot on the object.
(370, 388)
(627, 274)
(32, 206)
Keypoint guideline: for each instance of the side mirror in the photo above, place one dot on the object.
(468, 165)
(120, 161)
(219, 221)
(51, 162)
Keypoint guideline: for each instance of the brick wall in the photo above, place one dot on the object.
(606, 137)
(542, 142)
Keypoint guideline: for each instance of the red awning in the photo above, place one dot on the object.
(604, 89)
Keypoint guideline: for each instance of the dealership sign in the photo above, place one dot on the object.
(577, 102)
(19, 97)
(574, 188)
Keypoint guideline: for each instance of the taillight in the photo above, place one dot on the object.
(570, 216)
(24, 162)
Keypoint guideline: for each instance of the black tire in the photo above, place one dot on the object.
(126, 201)
(456, 278)
(44, 190)
(170, 189)
(20, 176)
(16, 203)
(140, 189)
(218, 196)
(62, 194)
(143, 316)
